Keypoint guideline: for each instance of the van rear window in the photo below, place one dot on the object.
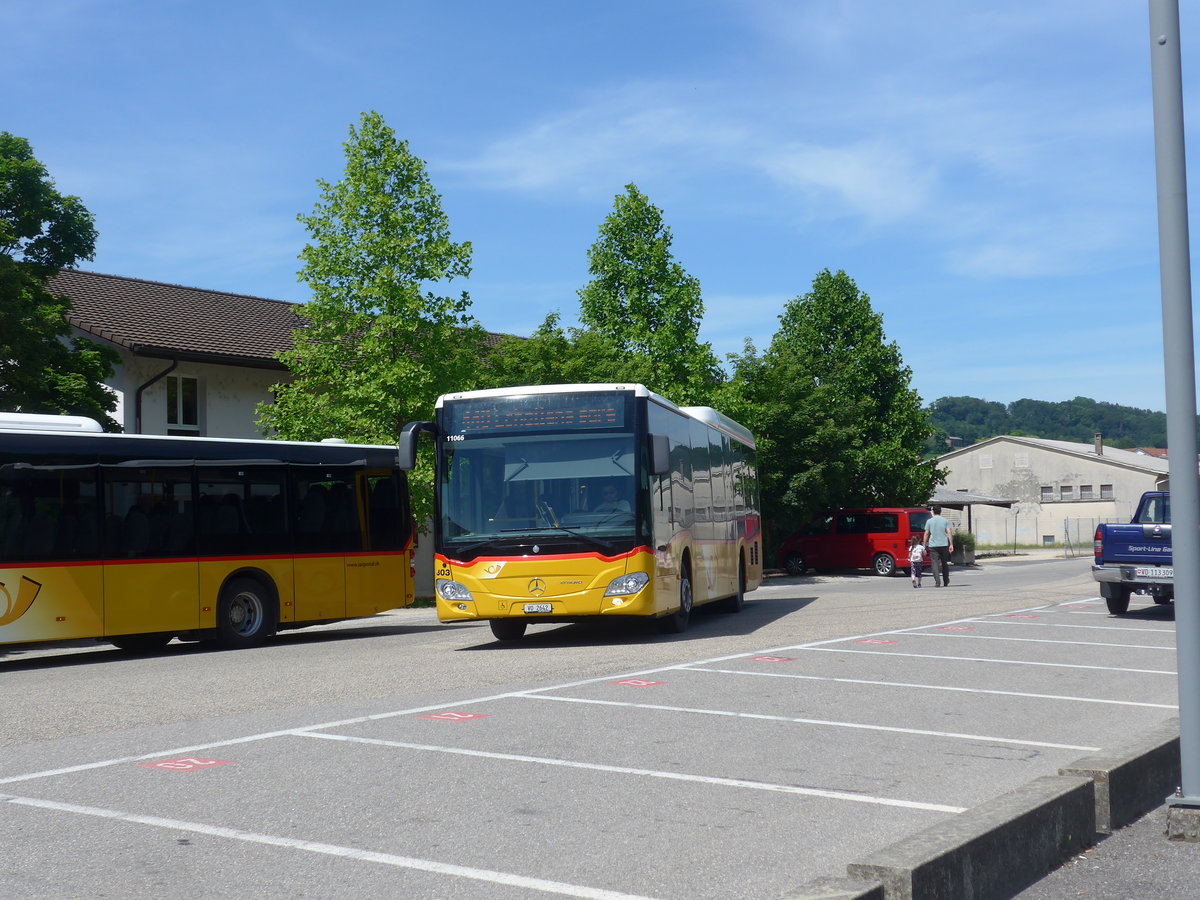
(917, 520)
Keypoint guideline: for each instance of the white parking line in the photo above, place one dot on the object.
(822, 722)
(354, 853)
(968, 636)
(931, 687)
(650, 773)
(984, 659)
(1029, 624)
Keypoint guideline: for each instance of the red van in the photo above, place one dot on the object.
(855, 539)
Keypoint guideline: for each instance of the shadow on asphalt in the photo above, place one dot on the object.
(24, 657)
(706, 621)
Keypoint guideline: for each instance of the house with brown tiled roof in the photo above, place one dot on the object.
(193, 361)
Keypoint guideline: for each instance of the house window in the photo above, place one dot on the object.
(183, 405)
(1047, 493)
(1106, 492)
(985, 460)
(1087, 492)
(1066, 492)
(1020, 460)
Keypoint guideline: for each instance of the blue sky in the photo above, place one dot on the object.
(983, 170)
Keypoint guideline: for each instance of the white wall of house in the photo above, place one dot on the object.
(1058, 494)
(229, 395)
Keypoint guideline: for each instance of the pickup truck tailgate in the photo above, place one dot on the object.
(1137, 544)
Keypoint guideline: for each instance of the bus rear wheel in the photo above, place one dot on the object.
(246, 614)
(737, 601)
(508, 629)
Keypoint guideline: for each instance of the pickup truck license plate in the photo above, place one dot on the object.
(539, 607)
(1154, 572)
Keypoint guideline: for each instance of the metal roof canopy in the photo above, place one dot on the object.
(965, 500)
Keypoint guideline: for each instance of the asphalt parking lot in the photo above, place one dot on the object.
(740, 775)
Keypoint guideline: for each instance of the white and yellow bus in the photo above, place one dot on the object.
(136, 539)
(564, 502)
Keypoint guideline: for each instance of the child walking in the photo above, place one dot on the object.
(916, 560)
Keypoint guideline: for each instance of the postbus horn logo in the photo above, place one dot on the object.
(537, 586)
(26, 594)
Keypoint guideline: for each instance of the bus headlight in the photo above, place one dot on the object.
(452, 590)
(627, 584)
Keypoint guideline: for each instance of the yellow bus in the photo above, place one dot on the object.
(136, 539)
(564, 502)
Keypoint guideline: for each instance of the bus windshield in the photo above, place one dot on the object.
(534, 485)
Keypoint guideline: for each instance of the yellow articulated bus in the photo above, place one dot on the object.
(564, 502)
(136, 539)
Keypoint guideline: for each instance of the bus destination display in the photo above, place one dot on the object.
(545, 412)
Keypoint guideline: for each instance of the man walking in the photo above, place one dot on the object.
(939, 538)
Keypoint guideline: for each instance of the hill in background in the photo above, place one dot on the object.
(975, 420)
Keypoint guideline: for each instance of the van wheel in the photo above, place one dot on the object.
(508, 629)
(884, 564)
(246, 614)
(1119, 605)
(795, 563)
(677, 622)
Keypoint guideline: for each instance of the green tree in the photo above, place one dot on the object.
(645, 306)
(379, 343)
(42, 369)
(831, 404)
(553, 355)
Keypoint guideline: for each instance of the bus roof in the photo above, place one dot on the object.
(81, 425)
(705, 414)
(721, 422)
(19, 421)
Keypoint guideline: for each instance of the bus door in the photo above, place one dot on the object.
(325, 528)
(151, 581)
(377, 577)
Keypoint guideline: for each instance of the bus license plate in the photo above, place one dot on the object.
(539, 607)
(1152, 572)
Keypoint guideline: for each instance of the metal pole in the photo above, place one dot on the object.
(1180, 366)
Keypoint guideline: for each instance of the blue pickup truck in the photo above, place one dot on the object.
(1137, 556)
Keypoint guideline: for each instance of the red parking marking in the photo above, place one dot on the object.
(957, 628)
(455, 716)
(772, 659)
(637, 682)
(185, 764)
(874, 641)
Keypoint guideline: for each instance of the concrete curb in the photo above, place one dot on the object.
(837, 889)
(992, 851)
(1134, 778)
(998, 848)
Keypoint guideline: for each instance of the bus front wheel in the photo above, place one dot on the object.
(246, 614)
(677, 622)
(508, 629)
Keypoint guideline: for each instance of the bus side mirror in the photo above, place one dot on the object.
(406, 449)
(660, 454)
